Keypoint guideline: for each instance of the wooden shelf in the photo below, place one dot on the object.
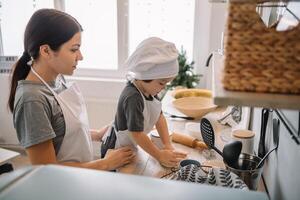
(267, 100)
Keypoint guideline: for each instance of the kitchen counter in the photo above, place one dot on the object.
(61, 182)
(7, 155)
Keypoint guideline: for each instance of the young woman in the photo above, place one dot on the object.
(152, 65)
(49, 114)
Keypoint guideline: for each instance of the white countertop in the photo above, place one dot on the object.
(6, 155)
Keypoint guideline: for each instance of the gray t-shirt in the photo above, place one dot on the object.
(130, 109)
(37, 115)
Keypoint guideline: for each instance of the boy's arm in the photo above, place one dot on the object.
(162, 129)
(146, 144)
(166, 157)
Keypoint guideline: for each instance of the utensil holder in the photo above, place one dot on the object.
(246, 170)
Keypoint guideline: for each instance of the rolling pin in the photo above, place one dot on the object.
(188, 141)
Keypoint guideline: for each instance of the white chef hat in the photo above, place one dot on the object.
(154, 58)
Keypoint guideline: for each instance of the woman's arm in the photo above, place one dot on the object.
(162, 129)
(44, 153)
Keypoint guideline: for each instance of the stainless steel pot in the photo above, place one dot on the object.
(245, 168)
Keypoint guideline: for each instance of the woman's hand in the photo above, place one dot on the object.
(170, 158)
(116, 158)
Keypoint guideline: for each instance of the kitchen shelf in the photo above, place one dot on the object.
(224, 97)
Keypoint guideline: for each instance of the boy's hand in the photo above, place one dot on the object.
(170, 158)
(169, 147)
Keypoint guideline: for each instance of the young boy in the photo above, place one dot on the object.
(152, 65)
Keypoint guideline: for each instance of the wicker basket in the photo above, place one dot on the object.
(257, 58)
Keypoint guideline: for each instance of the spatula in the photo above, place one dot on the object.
(208, 135)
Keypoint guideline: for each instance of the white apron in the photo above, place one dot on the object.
(151, 113)
(77, 144)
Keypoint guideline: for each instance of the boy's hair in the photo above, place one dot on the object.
(147, 81)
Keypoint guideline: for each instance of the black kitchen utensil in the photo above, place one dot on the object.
(208, 135)
(264, 123)
(176, 116)
(208, 59)
(263, 159)
(276, 124)
(231, 151)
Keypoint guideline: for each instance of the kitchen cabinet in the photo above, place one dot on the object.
(280, 169)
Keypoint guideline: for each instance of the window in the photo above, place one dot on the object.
(112, 28)
(99, 38)
(14, 15)
(172, 20)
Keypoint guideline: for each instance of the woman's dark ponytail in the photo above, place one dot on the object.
(20, 72)
(46, 26)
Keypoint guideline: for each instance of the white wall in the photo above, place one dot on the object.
(202, 27)
(217, 26)
(101, 96)
(7, 132)
(209, 24)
